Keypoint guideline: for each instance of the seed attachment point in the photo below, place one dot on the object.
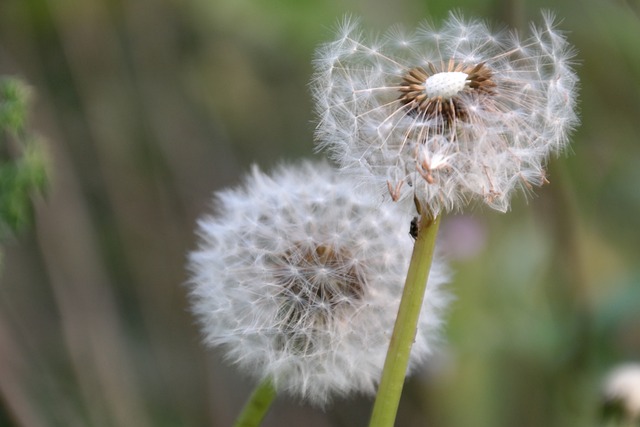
(435, 94)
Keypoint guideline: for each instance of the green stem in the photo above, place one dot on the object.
(257, 406)
(404, 331)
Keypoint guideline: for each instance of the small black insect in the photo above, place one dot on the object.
(413, 228)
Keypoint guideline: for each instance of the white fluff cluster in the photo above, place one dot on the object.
(446, 114)
(622, 388)
(298, 278)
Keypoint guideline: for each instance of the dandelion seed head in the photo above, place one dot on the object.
(489, 106)
(621, 392)
(298, 278)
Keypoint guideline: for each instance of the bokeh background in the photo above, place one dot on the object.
(148, 106)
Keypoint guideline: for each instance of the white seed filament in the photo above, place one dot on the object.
(445, 85)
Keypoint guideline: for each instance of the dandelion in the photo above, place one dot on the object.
(446, 115)
(298, 279)
(622, 393)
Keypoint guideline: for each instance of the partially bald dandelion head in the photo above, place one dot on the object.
(298, 278)
(448, 114)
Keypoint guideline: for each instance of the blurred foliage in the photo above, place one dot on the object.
(22, 162)
(149, 106)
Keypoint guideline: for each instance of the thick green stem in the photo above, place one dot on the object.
(257, 406)
(404, 331)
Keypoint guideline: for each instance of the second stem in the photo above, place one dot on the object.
(395, 366)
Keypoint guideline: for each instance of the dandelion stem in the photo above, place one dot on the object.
(257, 406)
(404, 331)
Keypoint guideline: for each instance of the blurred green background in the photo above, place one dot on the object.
(148, 106)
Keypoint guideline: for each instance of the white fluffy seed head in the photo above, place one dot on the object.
(446, 84)
(298, 278)
(622, 390)
(401, 117)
